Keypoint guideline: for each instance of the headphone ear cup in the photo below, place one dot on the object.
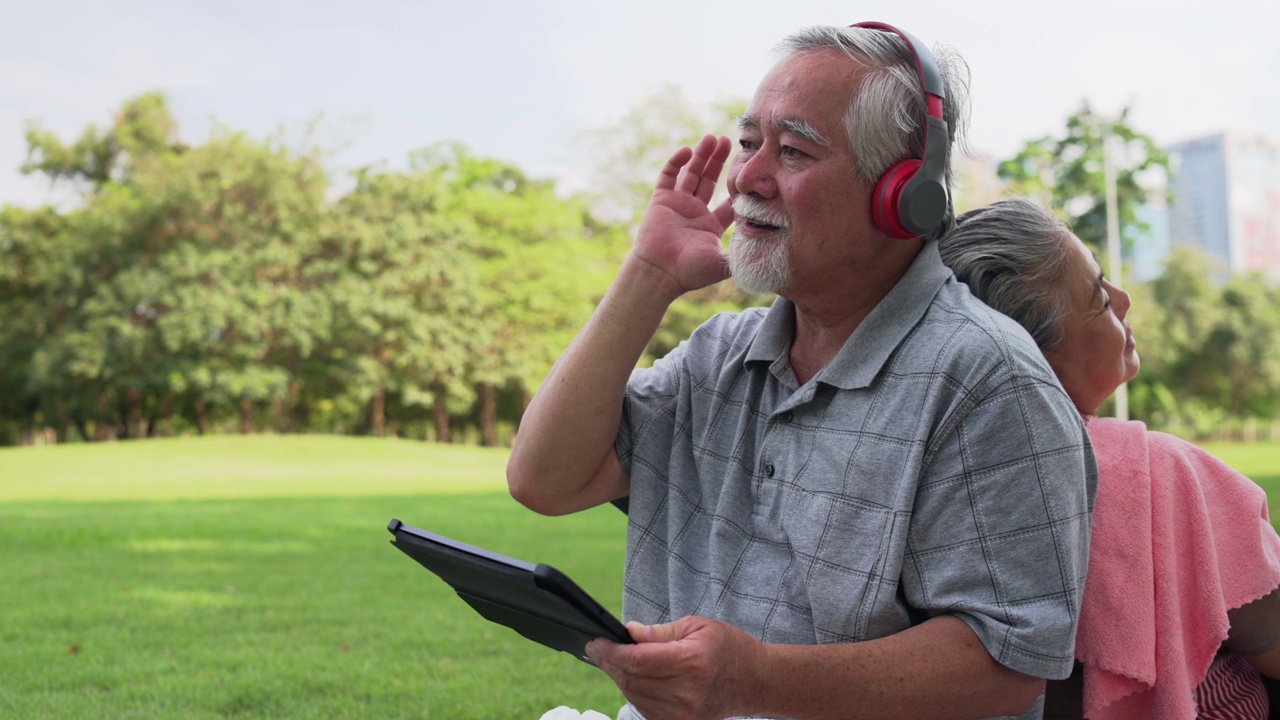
(886, 200)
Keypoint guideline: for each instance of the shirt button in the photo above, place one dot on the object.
(768, 469)
(785, 417)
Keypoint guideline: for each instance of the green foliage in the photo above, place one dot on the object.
(143, 129)
(541, 262)
(1210, 353)
(1068, 173)
(224, 286)
(217, 286)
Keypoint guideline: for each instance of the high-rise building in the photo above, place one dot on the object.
(1226, 199)
(1147, 249)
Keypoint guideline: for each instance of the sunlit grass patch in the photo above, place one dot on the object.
(246, 466)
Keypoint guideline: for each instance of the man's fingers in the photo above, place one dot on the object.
(696, 170)
(654, 661)
(714, 166)
(671, 171)
(691, 178)
(666, 632)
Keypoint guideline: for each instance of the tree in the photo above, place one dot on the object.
(1209, 352)
(1246, 380)
(238, 316)
(542, 262)
(32, 269)
(1067, 173)
(404, 293)
(178, 281)
(217, 286)
(79, 343)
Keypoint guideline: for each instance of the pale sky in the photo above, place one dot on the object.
(519, 80)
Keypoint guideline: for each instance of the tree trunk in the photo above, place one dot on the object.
(202, 422)
(162, 422)
(379, 415)
(106, 425)
(82, 428)
(132, 424)
(489, 415)
(526, 397)
(440, 410)
(246, 416)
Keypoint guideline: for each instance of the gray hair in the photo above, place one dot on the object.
(1013, 256)
(885, 118)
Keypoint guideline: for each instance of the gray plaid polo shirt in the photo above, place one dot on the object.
(935, 466)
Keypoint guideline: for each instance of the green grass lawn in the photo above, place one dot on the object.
(252, 578)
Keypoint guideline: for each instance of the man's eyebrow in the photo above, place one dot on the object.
(803, 128)
(798, 126)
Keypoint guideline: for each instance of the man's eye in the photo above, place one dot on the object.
(788, 151)
(747, 144)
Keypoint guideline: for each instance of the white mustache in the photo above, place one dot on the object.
(756, 211)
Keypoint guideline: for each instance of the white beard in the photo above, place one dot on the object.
(759, 266)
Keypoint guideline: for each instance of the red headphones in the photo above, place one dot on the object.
(910, 200)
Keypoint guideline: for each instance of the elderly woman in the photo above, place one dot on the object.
(1181, 609)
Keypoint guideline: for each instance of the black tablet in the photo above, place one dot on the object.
(537, 601)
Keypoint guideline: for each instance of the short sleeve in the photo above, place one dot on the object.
(649, 393)
(1000, 532)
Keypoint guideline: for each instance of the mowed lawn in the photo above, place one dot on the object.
(251, 577)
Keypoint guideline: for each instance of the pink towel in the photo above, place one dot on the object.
(1179, 538)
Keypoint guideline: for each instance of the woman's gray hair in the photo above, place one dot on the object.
(885, 118)
(1013, 255)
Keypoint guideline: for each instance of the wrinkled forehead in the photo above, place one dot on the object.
(826, 71)
(810, 91)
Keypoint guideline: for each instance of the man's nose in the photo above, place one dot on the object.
(755, 175)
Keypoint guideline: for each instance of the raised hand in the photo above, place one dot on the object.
(680, 233)
(693, 668)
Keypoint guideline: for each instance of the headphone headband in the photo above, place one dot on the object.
(930, 76)
(910, 200)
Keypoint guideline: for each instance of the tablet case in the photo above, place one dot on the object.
(537, 601)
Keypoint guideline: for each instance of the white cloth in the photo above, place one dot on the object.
(565, 712)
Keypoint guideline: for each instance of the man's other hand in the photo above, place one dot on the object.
(690, 669)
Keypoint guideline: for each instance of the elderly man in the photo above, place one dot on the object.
(869, 500)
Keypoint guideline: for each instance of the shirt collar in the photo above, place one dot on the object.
(874, 340)
(772, 343)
